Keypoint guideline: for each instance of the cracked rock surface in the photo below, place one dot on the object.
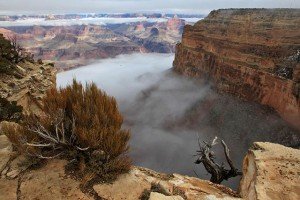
(271, 171)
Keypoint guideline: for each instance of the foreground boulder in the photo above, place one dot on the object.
(271, 171)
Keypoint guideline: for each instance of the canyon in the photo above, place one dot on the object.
(250, 67)
(77, 45)
(162, 108)
(250, 53)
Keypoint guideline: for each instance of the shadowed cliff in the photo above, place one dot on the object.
(250, 53)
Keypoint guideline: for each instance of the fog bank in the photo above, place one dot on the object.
(167, 113)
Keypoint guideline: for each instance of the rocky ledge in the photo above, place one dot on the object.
(271, 171)
(28, 84)
(251, 53)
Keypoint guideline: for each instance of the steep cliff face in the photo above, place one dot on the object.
(251, 53)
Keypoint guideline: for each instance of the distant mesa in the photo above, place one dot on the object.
(154, 32)
(140, 27)
(175, 24)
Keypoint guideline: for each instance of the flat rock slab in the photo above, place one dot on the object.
(127, 186)
(8, 189)
(50, 183)
(195, 189)
(132, 185)
(5, 151)
(17, 165)
(158, 196)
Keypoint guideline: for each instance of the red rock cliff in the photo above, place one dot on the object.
(251, 53)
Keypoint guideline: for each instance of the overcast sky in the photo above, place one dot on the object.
(120, 6)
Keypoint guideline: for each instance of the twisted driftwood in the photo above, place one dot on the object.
(218, 172)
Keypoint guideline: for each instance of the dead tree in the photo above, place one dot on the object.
(218, 172)
(18, 51)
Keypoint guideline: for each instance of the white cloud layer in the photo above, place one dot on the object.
(113, 6)
(70, 22)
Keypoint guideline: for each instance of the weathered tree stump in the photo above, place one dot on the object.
(218, 172)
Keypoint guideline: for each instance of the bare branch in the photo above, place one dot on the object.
(41, 134)
(214, 142)
(226, 151)
(63, 132)
(82, 149)
(47, 157)
(38, 145)
(206, 157)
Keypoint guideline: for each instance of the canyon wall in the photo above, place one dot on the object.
(253, 54)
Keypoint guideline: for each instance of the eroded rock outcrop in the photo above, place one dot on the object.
(28, 85)
(251, 53)
(271, 171)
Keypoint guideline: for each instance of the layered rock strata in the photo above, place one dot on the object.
(251, 53)
(77, 45)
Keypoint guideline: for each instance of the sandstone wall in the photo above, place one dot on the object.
(251, 53)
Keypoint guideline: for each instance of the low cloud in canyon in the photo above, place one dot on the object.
(167, 113)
